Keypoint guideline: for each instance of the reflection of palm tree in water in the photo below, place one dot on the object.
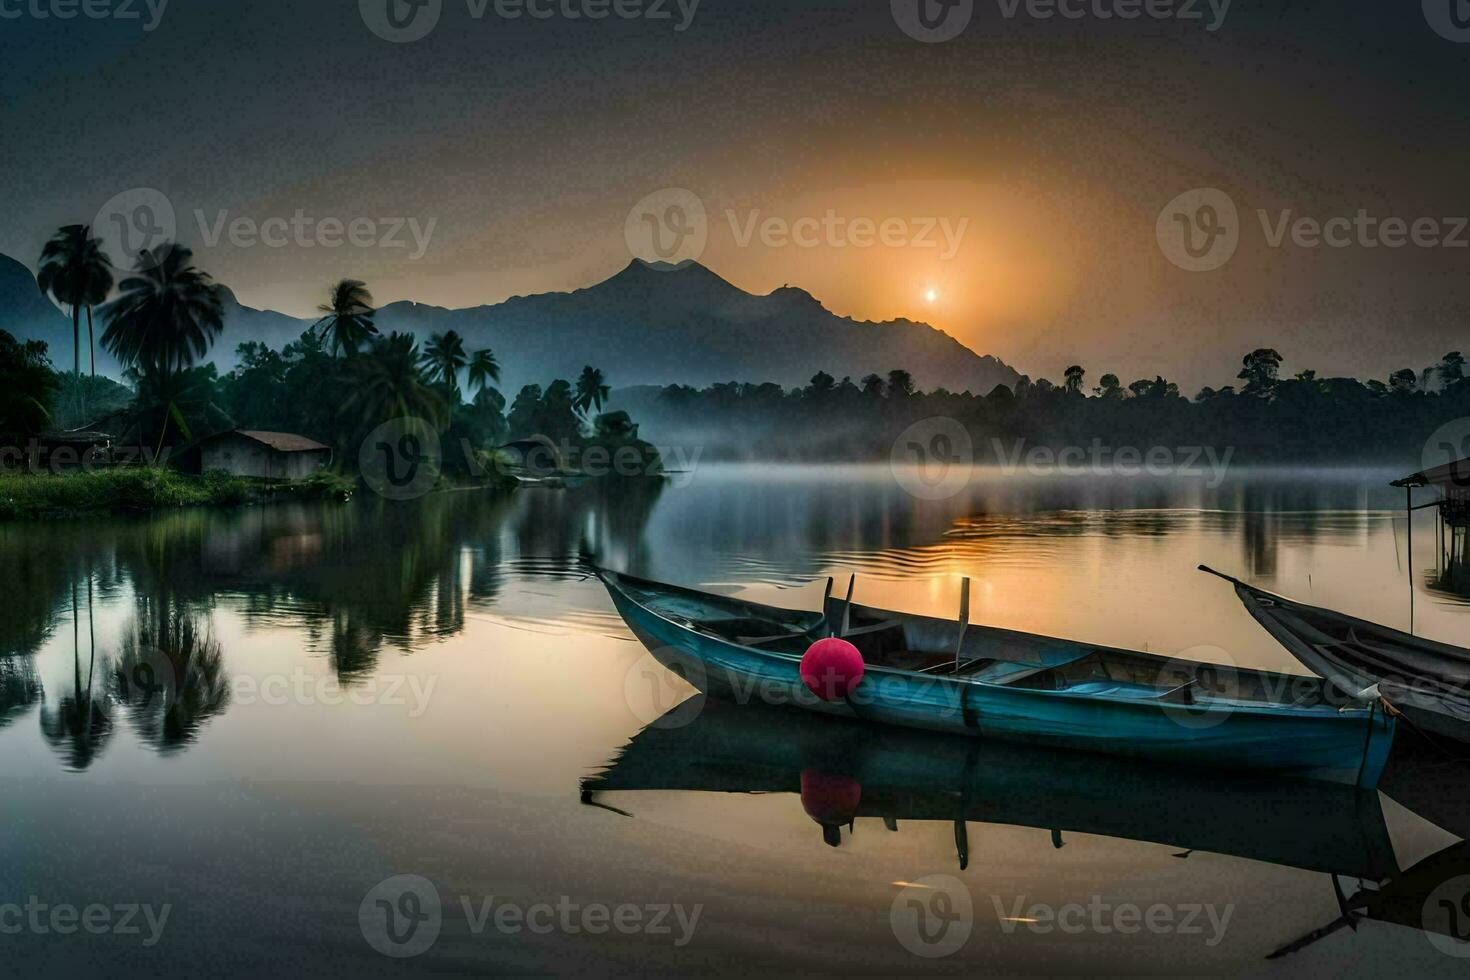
(19, 687)
(170, 674)
(79, 725)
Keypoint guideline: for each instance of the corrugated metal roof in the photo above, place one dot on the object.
(286, 442)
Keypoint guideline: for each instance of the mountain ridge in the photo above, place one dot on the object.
(650, 323)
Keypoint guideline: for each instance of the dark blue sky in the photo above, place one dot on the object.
(526, 142)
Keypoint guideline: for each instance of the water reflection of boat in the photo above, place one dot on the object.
(843, 770)
(1426, 680)
(948, 676)
(1431, 896)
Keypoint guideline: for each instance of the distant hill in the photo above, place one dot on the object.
(647, 325)
(659, 324)
(27, 315)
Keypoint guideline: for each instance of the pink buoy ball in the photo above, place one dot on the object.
(831, 668)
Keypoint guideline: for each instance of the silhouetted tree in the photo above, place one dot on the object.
(592, 390)
(1451, 368)
(445, 357)
(900, 383)
(348, 323)
(75, 272)
(168, 313)
(1259, 371)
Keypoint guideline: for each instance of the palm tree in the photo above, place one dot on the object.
(388, 383)
(445, 358)
(75, 272)
(592, 390)
(484, 369)
(1074, 377)
(168, 313)
(349, 317)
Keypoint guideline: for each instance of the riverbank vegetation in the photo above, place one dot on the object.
(125, 490)
(338, 384)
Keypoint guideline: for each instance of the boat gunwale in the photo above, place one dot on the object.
(1274, 710)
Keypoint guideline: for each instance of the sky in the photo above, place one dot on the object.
(1136, 195)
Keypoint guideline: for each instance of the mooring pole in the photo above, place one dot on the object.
(1409, 560)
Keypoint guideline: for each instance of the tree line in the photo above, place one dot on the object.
(335, 383)
(1265, 417)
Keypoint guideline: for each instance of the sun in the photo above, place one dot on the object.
(931, 296)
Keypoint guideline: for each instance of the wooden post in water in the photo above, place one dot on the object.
(847, 605)
(1409, 559)
(964, 619)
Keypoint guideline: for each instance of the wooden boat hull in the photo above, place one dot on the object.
(1347, 746)
(1429, 682)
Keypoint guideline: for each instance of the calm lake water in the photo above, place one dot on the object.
(248, 721)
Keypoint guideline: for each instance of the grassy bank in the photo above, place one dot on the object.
(118, 491)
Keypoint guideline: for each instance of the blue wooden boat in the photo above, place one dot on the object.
(942, 675)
